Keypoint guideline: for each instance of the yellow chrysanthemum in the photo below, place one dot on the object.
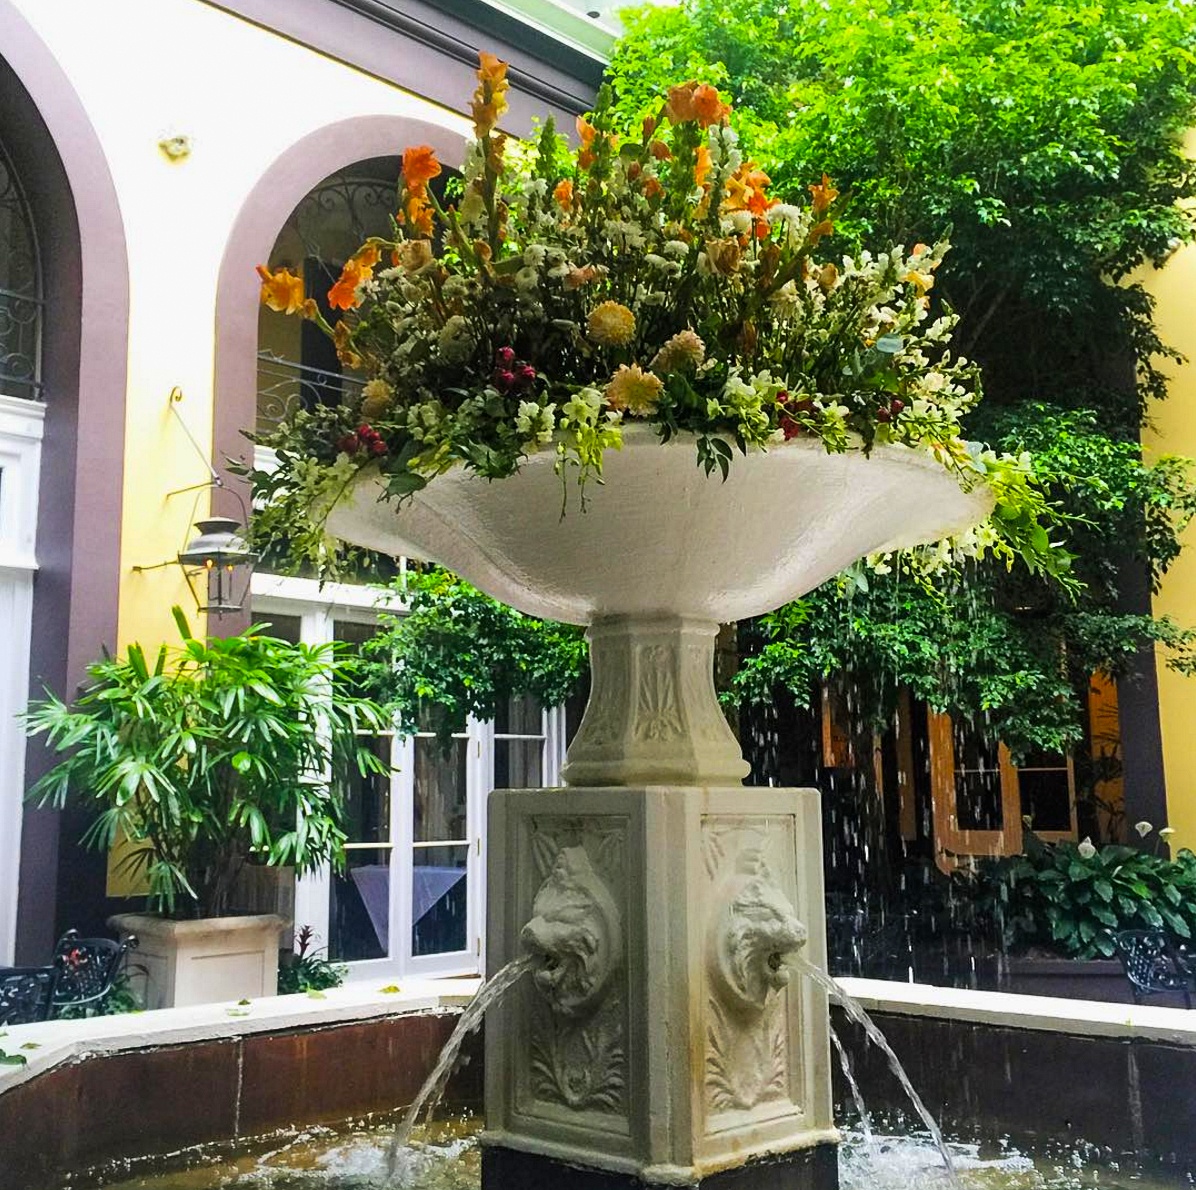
(611, 325)
(376, 398)
(633, 390)
(684, 350)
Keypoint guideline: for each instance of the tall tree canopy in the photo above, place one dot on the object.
(1044, 138)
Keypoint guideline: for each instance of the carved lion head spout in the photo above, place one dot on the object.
(753, 932)
(577, 934)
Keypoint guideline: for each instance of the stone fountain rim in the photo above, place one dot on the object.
(436, 523)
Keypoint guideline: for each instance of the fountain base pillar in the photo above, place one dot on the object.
(662, 1039)
(808, 1169)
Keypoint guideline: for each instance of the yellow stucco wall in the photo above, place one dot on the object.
(1174, 432)
(150, 69)
(146, 70)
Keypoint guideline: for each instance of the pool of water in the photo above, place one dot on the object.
(445, 1156)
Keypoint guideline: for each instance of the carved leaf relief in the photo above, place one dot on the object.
(657, 713)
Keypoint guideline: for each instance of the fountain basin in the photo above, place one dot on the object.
(661, 536)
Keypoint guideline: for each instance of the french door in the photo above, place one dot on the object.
(411, 899)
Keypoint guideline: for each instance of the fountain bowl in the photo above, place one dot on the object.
(659, 536)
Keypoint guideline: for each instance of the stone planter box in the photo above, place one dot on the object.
(1072, 979)
(206, 960)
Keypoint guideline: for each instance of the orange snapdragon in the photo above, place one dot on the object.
(563, 193)
(358, 268)
(586, 132)
(419, 168)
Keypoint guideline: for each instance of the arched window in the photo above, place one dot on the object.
(296, 362)
(20, 290)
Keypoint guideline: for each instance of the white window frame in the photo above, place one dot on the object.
(319, 608)
(21, 428)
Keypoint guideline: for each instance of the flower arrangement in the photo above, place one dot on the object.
(647, 277)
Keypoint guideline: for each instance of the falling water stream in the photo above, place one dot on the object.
(853, 1087)
(489, 994)
(855, 1012)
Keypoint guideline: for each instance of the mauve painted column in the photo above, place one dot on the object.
(85, 283)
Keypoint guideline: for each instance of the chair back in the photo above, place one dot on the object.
(26, 993)
(1151, 963)
(87, 967)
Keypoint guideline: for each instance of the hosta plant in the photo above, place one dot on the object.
(1071, 897)
(650, 277)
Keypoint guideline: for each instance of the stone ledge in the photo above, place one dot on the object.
(1089, 1018)
(56, 1042)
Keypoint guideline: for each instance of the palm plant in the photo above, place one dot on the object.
(217, 756)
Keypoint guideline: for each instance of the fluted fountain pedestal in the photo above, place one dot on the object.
(662, 1039)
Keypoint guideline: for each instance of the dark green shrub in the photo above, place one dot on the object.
(1071, 898)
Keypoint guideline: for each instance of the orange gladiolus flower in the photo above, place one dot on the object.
(489, 100)
(653, 188)
(707, 107)
(586, 132)
(282, 290)
(420, 166)
(679, 106)
(563, 193)
(824, 193)
(701, 165)
(660, 151)
(358, 268)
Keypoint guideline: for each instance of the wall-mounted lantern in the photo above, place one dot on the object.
(218, 565)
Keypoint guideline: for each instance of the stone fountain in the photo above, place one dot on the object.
(661, 1040)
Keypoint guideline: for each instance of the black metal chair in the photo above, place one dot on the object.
(87, 969)
(26, 994)
(1153, 965)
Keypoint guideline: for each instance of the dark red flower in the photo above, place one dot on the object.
(505, 356)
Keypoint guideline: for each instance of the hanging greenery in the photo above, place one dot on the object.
(456, 652)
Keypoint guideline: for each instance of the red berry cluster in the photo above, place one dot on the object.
(511, 374)
(365, 440)
(886, 414)
(789, 406)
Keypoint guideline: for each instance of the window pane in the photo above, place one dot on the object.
(973, 752)
(978, 801)
(352, 632)
(359, 907)
(439, 912)
(439, 791)
(284, 627)
(518, 764)
(519, 716)
(1046, 798)
(366, 798)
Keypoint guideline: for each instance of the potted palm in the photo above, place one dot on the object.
(215, 757)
